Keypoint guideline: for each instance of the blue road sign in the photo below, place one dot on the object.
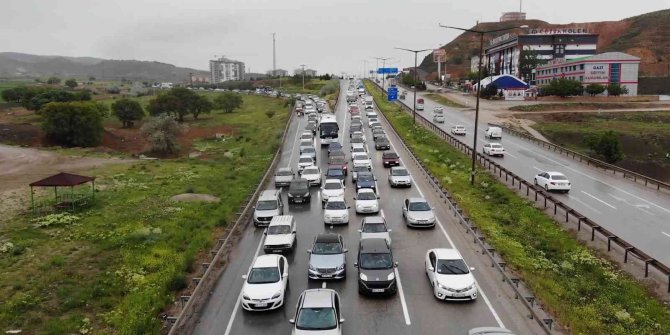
(387, 70)
(392, 93)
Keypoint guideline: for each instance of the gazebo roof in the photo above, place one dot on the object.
(63, 179)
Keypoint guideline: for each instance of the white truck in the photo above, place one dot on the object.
(369, 103)
(493, 132)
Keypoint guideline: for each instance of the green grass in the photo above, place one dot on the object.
(440, 99)
(121, 263)
(586, 293)
(567, 106)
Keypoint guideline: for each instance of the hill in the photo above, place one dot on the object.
(646, 36)
(20, 65)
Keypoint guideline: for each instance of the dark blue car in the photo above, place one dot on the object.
(366, 179)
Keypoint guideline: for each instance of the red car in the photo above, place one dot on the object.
(353, 110)
(390, 158)
(338, 162)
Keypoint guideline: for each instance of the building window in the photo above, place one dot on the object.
(559, 49)
(581, 66)
(615, 73)
(581, 78)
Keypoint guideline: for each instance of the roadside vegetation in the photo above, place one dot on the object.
(440, 99)
(113, 267)
(586, 293)
(577, 106)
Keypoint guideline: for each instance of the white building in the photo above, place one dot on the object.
(604, 69)
(224, 69)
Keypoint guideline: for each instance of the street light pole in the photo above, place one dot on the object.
(383, 59)
(479, 87)
(416, 52)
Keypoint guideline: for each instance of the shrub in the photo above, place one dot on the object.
(228, 101)
(563, 88)
(162, 132)
(71, 83)
(270, 114)
(128, 111)
(331, 87)
(616, 90)
(594, 89)
(76, 124)
(53, 80)
(606, 145)
(56, 219)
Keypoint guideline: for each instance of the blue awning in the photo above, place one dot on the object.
(504, 82)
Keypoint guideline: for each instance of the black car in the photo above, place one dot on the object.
(366, 179)
(354, 128)
(382, 143)
(377, 133)
(356, 169)
(334, 146)
(298, 191)
(336, 172)
(376, 269)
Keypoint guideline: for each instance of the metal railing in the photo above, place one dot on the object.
(192, 304)
(548, 200)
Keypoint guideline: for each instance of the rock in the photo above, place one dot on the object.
(195, 197)
(195, 154)
(148, 158)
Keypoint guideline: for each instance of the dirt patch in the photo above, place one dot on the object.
(195, 197)
(24, 134)
(192, 133)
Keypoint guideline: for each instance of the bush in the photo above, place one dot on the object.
(75, 124)
(616, 90)
(71, 83)
(563, 88)
(53, 80)
(489, 91)
(606, 146)
(331, 87)
(162, 132)
(33, 98)
(594, 89)
(128, 111)
(270, 114)
(228, 101)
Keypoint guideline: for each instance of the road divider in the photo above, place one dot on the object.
(585, 292)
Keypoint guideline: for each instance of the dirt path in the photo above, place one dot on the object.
(21, 166)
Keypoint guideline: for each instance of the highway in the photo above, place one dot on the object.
(413, 310)
(638, 214)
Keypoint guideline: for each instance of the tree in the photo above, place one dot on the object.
(53, 80)
(180, 102)
(563, 88)
(228, 101)
(528, 62)
(128, 111)
(616, 90)
(200, 105)
(594, 89)
(164, 104)
(606, 145)
(489, 91)
(73, 124)
(91, 78)
(34, 99)
(71, 83)
(162, 131)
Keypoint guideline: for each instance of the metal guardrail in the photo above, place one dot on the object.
(192, 304)
(568, 212)
(627, 174)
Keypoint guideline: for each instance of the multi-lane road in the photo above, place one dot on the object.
(413, 310)
(638, 214)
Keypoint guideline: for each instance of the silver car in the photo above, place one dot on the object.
(283, 177)
(308, 151)
(418, 213)
(319, 311)
(399, 176)
(327, 258)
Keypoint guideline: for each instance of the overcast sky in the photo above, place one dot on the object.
(329, 36)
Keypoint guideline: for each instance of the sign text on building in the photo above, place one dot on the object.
(596, 73)
(557, 31)
(502, 38)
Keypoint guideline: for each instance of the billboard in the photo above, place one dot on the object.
(557, 31)
(439, 55)
(596, 73)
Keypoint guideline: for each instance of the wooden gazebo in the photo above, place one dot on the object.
(64, 201)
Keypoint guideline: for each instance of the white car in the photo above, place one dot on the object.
(305, 161)
(438, 110)
(312, 174)
(449, 275)
(438, 118)
(306, 135)
(332, 188)
(399, 176)
(371, 114)
(375, 227)
(362, 160)
(358, 134)
(458, 130)
(358, 150)
(553, 181)
(371, 121)
(493, 149)
(366, 201)
(280, 234)
(336, 211)
(355, 146)
(265, 285)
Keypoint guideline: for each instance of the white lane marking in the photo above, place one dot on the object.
(239, 298)
(603, 202)
(508, 154)
(295, 140)
(583, 203)
(666, 234)
(640, 207)
(323, 285)
(538, 169)
(405, 311)
(451, 243)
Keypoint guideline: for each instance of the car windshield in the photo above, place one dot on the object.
(332, 186)
(558, 177)
(284, 173)
(391, 155)
(305, 160)
(336, 205)
(308, 150)
(365, 177)
(335, 172)
(399, 172)
(298, 186)
(361, 157)
(357, 140)
(419, 206)
(266, 205)
(310, 171)
(327, 248)
(316, 319)
(336, 160)
(279, 230)
(366, 196)
(376, 261)
(452, 267)
(374, 228)
(497, 146)
(263, 275)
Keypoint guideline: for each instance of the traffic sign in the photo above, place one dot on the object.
(387, 70)
(392, 93)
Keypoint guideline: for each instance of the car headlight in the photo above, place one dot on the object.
(327, 216)
(246, 297)
(391, 276)
(443, 287)
(411, 219)
(290, 195)
(469, 287)
(276, 295)
(341, 267)
(306, 194)
(311, 267)
(363, 277)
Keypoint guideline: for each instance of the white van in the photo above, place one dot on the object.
(280, 235)
(493, 132)
(268, 206)
(368, 102)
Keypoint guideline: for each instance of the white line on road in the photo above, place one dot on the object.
(666, 234)
(323, 285)
(538, 169)
(603, 202)
(295, 140)
(239, 298)
(403, 302)
(583, 203)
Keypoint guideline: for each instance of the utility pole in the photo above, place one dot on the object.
(190, 78)
(303, 76)
(416, 52)
(274, 56)
(383, 59)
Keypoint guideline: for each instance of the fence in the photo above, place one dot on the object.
(192, 304)
(569, 213)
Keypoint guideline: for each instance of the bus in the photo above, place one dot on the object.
(328, 129)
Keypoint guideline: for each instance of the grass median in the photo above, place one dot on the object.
(586, 293)
(112, 268)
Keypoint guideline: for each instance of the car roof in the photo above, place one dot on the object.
(311, 167)
(489, 331)
(365, 173)
(334, 181)
(266, 261)
(306, 156)
(281, 220)
(327, 238)
(446, 253)
(374, 245)
(389, 154)
(333, 199)
(317, 298)
(364, 190)
(554, 173)
(373, 220)
(417, 199)
(398, 168)
(268, 195)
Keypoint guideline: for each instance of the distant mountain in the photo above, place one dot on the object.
(20, 65)
(646, 36)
